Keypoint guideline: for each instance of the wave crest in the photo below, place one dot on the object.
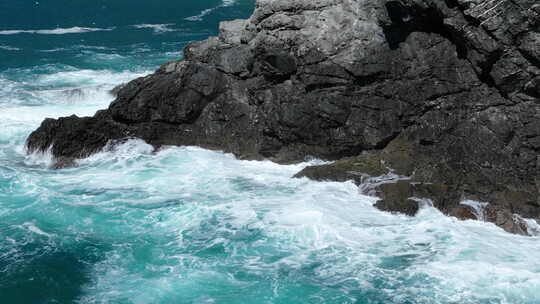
(9, 48)
(57, 31)
(157, 28)
(206, 12)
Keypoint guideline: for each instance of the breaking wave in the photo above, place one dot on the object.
(9, 48)
(132, 224)
(57, 31)
(206, 12)
(157, 28)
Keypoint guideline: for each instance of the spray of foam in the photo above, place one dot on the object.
(9, 48)
(477, 207)
(57, 31)
(31, 97)
(206, 12)
(157, 28)
(192, 201)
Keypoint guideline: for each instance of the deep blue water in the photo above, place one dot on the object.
(187, 225)
(116, 32)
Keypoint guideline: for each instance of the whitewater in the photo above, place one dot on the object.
(188, 225)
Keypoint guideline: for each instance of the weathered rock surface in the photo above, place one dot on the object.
(442, 92)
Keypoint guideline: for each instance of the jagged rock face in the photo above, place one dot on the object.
(445, 92)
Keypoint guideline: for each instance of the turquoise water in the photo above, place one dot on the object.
(187, 225)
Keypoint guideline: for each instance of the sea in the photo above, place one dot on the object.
(188, 225)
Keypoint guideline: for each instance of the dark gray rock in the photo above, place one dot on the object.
(116, 89)
(444, 92)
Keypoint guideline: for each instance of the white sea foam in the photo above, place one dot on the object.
(220, 200)
(119, 152)
(157, 28)
(369, 184)
(175, 219)
(94, 47)
(87, 88)
(25, 103)
(9, 48)
(533, 226)
(423, 202)
(37, 159)
(57, 31)
(478, 208)
(54, 50)
(31, 226)
(94, 77)
(206, 12)
(98, 94)
(170, 210)
(77, 48)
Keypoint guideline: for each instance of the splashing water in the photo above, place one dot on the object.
(188, 225)
(208, 11)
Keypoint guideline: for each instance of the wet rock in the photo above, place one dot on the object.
(407, 197)
(507, 220)
(463, 212)
(443, 92)
(398, 197)
(114, 92)
(356, 169)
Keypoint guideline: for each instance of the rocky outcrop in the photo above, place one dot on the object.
(417, 99)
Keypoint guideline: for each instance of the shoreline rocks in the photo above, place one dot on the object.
(445, 93)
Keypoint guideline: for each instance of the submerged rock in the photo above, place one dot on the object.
(443, 92)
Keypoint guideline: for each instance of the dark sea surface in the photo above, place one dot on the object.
(187, 225)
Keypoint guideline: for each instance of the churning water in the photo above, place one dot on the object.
(187, 225)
